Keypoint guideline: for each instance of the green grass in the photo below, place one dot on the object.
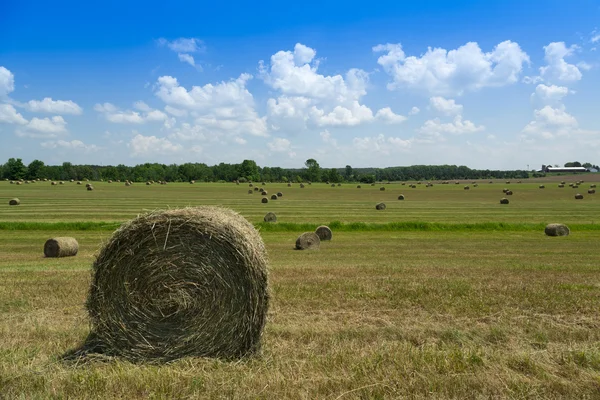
(476, 307)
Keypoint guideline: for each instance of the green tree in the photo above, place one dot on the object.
(349, 173)
(313, 172)
(15, 169)
(249, 170)
(35, 169)
(334, 176)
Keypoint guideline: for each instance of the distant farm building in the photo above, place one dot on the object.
(548, 168)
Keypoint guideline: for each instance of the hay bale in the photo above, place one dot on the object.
(571, 184)
(109, 181)
(14, 202)
(19, 183)
(127, 184)
(289, 185)
(324, 232)
(178, 283)
(561, 186)
(12, 182)
(264, 184)
(504, 200)
(61, 247)
(264, 192)
(372, 184)
(467, 187)
(279, 194)
(542, 187)
(256, 189)
(382, 188)
(250, 191)
(575, 186)
(557, 230)
(274, 197)
(403, 183)
(149, 183)
(250, 185)
(380, 206)
(270, 217)
(591, 191)
(90, 188)
(308, 241)
(476, 185)
(192, 182)
(302, 186)
(578, 196)
(264, 200)
(504, 190)
(358, 187)
(339, 184)
(53, 183)
(333, 185)
(508, 182)
(509, 193)
(593, 186)
(401, 197)
(79, 182)
(88, 185)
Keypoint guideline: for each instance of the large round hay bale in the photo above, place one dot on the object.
(504, 200)
(256, 189)
(333, 185)
(561, 185)
(250, 191)
(264, 192)
(14, 202)
(274, 197)
(178, 283)
(61, 183)
(61, 247)
(279, 194)
(380, 206)
(382, 188)
(467, 187)
(250, 185)
(90, 188)
(109, 181)
(509, 192)
(53, 183)
(401, 197)
(264, 200)
(339, 184)
(324, 232)
(12, 182)
(88, 185)
(591, 191)
(358, 186)
(79, 182)
(562, 182)
(308, 241)
(127, 184)
(270, 217)
(593, 186)
(289, 185)
(578, 196)
(302, 186)
(542, 187)
(192, 182)
(575, 186)
(557, 230)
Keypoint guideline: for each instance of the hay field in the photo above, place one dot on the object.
(501, 311)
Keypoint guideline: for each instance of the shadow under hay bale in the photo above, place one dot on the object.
(14, 202)
(557, 230)
(61, 247)
(504, 200)
(308, 241)
(270, 217)
(189, 282)
(324, 232)
(380, 206)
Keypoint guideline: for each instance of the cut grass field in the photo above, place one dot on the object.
(501, 311)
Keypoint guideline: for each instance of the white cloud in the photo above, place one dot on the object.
(443, 72)
(326, 137)
(414, 111)
(9, 115)
(55, 124)
(353, 115)
(54, 106)
(176, 111)
(549, 94)
(114, 115)
(125, 117)
(380, 144)
(183, 57)
(445, 106)
(227, 106)
(7, 82)
(143, 146)
(183, 45)
(279, 145)
(532, 80)
(558, 68)
(156, 115)
(71, 145)
(141, 106)
(550, 123)
(240, 140)
(105, 108)
(387, 116)
(456, 127)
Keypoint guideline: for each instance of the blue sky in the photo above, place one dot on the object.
(499, 85)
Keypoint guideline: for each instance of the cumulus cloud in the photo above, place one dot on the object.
(183, 47)
(456, 127)
(551, 122)
(70, 145)
(9, 115)
(50, 106)
(558, 68)
(187, 58)
(387, 116)
(43, 127)
(7, 82)
(114, 115)
(226, 106)
(326, 138)
(381, 144)
(445, 106)
(549, 94)
(279, 145)
(453, 72)
(143, 146)
(414, 111)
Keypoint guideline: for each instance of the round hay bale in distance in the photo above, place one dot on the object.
(557, 230)
(401, 197)
(504, 200)
(178, 283)
(264, 200)
(308, 241)
(14, 202)
(250, 191)
(289, 185)
(509, 193)
(358, 187)
(333, 185)
(256, 189)
(90, 188)
(578, 196)
(467, 187)
(382, 188)
(324, 232)
(593, 186)
(591, 191)
(542, 187)
(61, 247)
(561, 185)
(380, 206)
(302, 186)
(270, 217)
(279, 194)
(274, 197)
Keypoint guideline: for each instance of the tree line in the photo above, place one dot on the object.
(247, 170)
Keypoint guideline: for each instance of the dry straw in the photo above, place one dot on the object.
(308, 241)
(324, 232)
(557, 230)
(61, 247)
(14, 202)
(178, 283)
(270, 217)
